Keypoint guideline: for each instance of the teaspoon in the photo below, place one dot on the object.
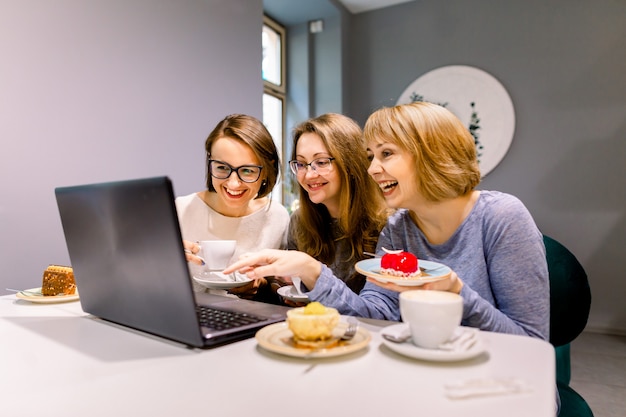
(396, 339)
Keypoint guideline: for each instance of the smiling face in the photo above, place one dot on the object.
(233, 196)
(321, 189)
(393, 169)
(420, 152)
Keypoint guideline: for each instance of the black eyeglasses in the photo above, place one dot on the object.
(320, 165)
(222, 170)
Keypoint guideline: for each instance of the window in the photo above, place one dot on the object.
(273, 55)
(273, 70)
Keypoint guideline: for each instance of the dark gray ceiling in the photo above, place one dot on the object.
(294, 12)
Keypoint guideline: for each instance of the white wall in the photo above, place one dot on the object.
(101, 90)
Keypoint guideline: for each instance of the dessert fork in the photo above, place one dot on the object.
(351, 330)
(25, 292)
(35, 293)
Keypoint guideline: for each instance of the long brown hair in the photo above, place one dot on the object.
(362, 209)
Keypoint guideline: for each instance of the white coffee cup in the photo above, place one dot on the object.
(432, 316)
(217, 254)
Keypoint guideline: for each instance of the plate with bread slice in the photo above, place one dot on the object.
(34, 295)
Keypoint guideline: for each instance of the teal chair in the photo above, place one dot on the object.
(570, 301)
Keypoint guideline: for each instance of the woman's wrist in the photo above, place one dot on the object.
(313, 270)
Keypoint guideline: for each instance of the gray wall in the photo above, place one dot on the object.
(105, 90)
(564, 65)
(315, 76)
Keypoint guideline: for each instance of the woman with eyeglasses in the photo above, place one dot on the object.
(424, 160)
(242, 168)
(341, 210)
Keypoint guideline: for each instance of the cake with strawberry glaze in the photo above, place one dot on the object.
(399, 263)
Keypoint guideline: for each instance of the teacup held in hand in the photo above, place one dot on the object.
(217, 254)
(432, 316)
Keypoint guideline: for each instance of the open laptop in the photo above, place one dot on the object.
(125, 246)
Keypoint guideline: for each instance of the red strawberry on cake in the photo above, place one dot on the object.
(399, 263)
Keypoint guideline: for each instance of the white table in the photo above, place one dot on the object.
(58, 361)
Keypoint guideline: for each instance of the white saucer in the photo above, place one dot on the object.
(219, 281)
(34, 295)
(409, 349)
(290, 293)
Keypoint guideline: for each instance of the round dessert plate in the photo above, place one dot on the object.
(34, 295)
(219, 281)
(431, 272)
(407, 348)
(290, 293)
(278, 338)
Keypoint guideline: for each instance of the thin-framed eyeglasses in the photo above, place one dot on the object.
(246, 173)
(320, 165)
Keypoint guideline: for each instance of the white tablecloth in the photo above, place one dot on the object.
(58, 361)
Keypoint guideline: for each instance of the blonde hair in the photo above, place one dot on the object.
(442, 147)
(362, 209)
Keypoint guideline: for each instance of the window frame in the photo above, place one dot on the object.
(282, 32)
(279, 92)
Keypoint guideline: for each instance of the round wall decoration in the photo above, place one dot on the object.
(475, 97)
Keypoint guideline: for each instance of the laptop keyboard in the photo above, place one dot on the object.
(220, 319)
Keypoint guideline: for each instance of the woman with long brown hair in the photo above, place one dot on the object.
(341, 209)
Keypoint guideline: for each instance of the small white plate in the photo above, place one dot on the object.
(290, 293)
(278, 338)
(219, 281)
(432, 272)
(34, 295)
(409, 349)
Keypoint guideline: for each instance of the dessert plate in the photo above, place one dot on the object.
(290, 293)
(431, 272)
(407, 348)
(219, 281)
(34, 295)
(278, 338)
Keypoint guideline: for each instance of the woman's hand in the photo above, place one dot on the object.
(451, 284)
(280, 263)
(294, 303)
(191, 250)
(250, 289)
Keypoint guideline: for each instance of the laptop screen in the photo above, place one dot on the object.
(125, 246)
